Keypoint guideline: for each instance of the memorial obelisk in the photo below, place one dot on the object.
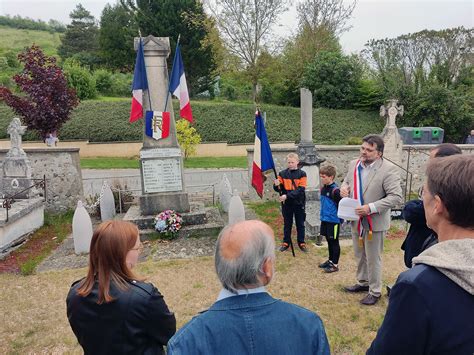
(308, 155)
(161, 162)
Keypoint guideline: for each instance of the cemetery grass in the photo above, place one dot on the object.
(15, 40)
(41, 243)
(34, 306)
(189, 163)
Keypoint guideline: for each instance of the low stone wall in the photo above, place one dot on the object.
(62, 169)
(131, 149)
(25, 216)
(341, 155)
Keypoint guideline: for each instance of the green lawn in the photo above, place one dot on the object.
(193, 162)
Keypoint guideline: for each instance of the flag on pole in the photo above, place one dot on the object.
(262, 155)
(157, 124)
(140, 83)
(178, 86)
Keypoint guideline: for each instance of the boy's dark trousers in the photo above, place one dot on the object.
(289, 210)
(331, 232)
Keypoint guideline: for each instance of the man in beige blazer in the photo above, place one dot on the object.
(380, 186)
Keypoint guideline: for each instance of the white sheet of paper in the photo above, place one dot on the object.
(346, 209)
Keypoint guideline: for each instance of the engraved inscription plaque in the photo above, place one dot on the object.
(162, 175)
(160, 153)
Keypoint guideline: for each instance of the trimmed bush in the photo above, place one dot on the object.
(121, 85)
(107, 121)
(103, 81)
(80, 79)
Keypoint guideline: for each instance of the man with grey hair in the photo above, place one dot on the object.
(245, 319)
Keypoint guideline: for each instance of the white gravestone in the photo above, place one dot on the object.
(81, 229)
(107, 203)
(236, 209)
(225, 193)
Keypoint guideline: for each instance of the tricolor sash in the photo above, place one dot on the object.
(359, 195)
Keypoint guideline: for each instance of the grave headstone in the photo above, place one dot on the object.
(225, 193)
(236, 209)
(81, 229)
(16, 169)
(107, 203)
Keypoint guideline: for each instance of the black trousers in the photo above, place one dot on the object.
(331, 232)
(299, 213)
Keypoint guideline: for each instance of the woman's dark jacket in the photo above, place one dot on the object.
(138, 321)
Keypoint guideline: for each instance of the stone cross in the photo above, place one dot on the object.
(393, 143)
(390, 111)
(15, 168)
(16, 130)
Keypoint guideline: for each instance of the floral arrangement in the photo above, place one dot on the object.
(168, 223)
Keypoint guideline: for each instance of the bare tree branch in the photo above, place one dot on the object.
(246, 27)
(332, 15)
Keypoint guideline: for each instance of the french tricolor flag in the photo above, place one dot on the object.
(262, 155)
(178, 86)
(140, 83)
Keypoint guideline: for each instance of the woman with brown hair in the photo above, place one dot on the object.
(111, 311)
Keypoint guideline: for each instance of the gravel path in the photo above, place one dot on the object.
(65, 258)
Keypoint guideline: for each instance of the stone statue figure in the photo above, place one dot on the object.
(16, 130)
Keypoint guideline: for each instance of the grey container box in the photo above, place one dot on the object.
(421, 135)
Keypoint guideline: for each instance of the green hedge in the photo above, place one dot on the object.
(107, 121)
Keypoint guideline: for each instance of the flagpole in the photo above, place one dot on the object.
(148, 89)
(281, 203)
(169, 81)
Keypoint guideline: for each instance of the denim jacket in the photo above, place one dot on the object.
(252, 324)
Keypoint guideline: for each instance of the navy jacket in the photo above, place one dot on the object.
(419, 236)
(136, 322)
(252, 324)
(427, 314)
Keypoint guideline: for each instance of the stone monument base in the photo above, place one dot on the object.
(198, 222)
(152, 204)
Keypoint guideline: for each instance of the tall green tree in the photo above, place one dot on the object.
(117, 30)
(320, 23)
(81, 39)
(170, 18)
(333, 78)
(439, 106)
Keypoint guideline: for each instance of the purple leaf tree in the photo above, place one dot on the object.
(47, 101)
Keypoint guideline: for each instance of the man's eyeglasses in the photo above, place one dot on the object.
(420, 193)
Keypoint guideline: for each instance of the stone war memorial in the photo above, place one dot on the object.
(161, 161)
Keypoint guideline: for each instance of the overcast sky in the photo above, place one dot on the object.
(371, 18)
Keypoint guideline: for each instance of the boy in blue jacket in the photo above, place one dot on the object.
(330, 222)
